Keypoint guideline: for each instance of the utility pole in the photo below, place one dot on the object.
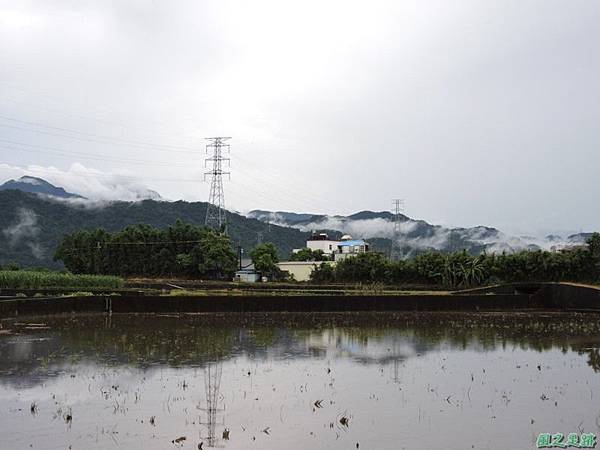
(397, 208)
(216, 216)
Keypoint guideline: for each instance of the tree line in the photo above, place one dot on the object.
(461, 270)
(186, 250)
(142, 250)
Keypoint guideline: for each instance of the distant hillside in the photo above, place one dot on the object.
(288, 218)
(37, 186)
(31, 225)
(416, 235)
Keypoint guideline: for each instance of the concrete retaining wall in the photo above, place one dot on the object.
(567, 296)
(549, 297)
(204, 304)
(31, 306)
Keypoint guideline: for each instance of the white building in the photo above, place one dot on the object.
(346, 246)
(336, 250)
(322, 242)
(247, 276)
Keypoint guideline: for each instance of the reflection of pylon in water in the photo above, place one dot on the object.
(212, 386)
(396, 364)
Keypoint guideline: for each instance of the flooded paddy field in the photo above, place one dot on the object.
(298, 381)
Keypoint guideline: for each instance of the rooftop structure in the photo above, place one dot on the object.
(338, 250)
(350, 247)
(322, 242)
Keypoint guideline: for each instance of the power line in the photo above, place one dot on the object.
(215, 212)
(106, 244)
(120, 141)
(39, 106)
(100, 140)
(67, 153)
(109, 176)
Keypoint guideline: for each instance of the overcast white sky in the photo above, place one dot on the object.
(475, 112)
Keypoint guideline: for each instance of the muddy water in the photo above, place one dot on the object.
(297, 381)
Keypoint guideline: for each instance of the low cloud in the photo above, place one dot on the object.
(93, 184)
(367, 228)
(436, 237)
(25, 229)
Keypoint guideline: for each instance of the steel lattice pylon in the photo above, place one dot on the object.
(396, 252)
(216, 216)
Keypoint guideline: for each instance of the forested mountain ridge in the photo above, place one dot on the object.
(31, 226)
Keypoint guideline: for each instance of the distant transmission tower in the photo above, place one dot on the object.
(215, 212)
(397, 208)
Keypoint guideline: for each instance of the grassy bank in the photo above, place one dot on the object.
(24, 279)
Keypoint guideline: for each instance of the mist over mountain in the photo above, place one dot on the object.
(36, 214)
(416, 235)
(76, 183)
(36, 185)
(32, 225)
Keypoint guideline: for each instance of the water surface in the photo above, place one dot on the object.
(297, 381)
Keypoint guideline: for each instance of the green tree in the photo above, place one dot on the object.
(364, 267)
(593, 243)
(142, 250)
(264, 257)
(11, 266)
(306, 254)
(217, 255)
(323, 273)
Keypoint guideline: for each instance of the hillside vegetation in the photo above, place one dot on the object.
(32, 226)
(461, 270)
(181, 250)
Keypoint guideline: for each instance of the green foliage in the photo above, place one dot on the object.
(306, 254)
(264, 257)
(11, 266)
(461, 270)
(22, 279)
(364, 267)
(55, 219)
(216, 255)
(323, 273)
(180, 250)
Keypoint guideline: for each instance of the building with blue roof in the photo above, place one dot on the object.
(348, 246)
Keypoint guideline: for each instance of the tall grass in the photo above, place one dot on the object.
(25, 279)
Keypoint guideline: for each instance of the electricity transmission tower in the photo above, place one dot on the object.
(398, 207)
(215, 212)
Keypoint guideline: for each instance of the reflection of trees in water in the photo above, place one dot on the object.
(146, 340)
(593, 355)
